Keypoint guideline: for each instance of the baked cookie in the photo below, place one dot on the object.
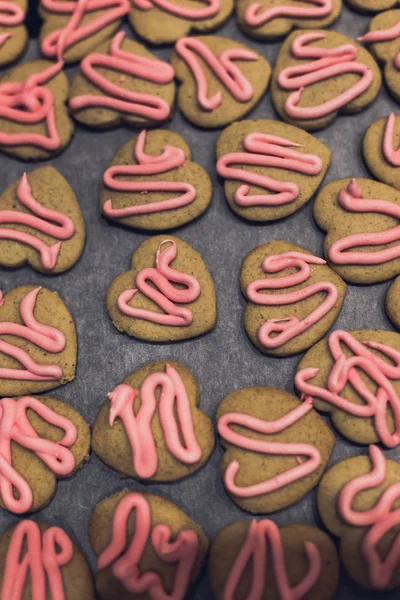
(166, 21)
(270, 168)
(152, 183)
(358, 500)
(147, 547)
(360, 218)
(72, 28)
(136, 435)
(272, 19)
(372, 6)
(221, 79)
(256, 559)
(121, 82)
(276, 448)
(42, 439)
(38, 345)
(51, 564)
(145, 302)
(294, 298)
(319, 74)
(41, 223)
(34, 121)
(380, 147)
(355, 376)
(392, 303)
(13, 33)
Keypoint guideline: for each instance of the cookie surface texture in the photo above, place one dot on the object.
(13, 33)
(380, 148)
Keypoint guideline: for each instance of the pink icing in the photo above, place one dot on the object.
(175, 415)
(264, 536)
(348, 370)
(171, 158)
(276, 332)
(302, 469)
(255, 16)
(118, 98)
(125, 562)
(30, 103)
(44, 555)
(16, 428)
(267, 150)
(163, 292)
(222, 67)
(391, 155)
(350, 199)
(381, 35)
(75, 31)
(326, 63)
(380, 519)
(45, 337)
(11, 14)
(197, 14)
(62, 231)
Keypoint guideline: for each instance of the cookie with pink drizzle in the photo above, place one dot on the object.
(13, 33)
(38, 345)
(270, 19)
(381, 149)
(293, 297)
(151, 426)
(361, 220)
(276, 448)
(168, 295)
(270, 168)
(255, 560)
(146, 547)
(358, 500)
(321, 74)
(166, 21)
(221, 79)
(121, 82)
(153, 184)
(38, 561)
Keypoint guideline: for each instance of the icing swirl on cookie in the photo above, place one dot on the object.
(255, 16)
(175, 416)
(347, 369)
(384, 35)
(171, 158)
(325, 64)
(391, 155)
(124, 560)
(44, 554)
(11, 15)
(256, 445)
(185, 12)
(264, 537)
(222, 67)
(16, 428)
(117, 97)
(43, 336)
(64, 229)
(163, 292)
(274, 333)
(264, 150)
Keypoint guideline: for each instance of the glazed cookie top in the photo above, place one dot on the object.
(13, 33)
(381, 149)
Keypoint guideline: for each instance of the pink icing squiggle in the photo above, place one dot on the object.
(384, 35)
(348, 370)
(44, 336)
(164, 294)
(44, 555)
(255, 445)
(184, 12)
(350, 198)
(276, 332)
(16, 428)
(381, 518)
(327, 63)
(223, 68)
(391, 155)
(264, 537)
(175, 415)
(267, 150)
(125, 562)
(170, 158)
(255, 16)
(11, 14)
(120, 99)
(62, 231)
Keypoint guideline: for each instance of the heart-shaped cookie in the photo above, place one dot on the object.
(41, 223)
(38, 345)
(13, 33)
(167, 296)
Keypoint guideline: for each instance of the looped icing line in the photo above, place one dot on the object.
(11, 15)
(255, 16)
(391, 155)
(196, 14)
(384, 35)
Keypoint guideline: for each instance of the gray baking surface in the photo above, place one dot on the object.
(223, 360)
